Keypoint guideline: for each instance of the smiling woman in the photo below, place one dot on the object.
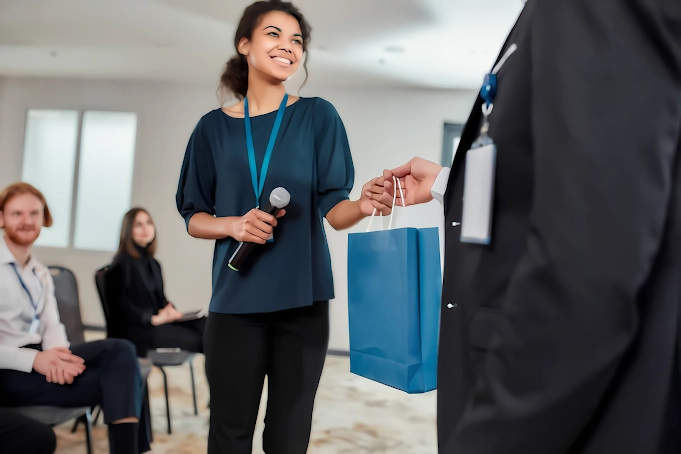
(269, 318)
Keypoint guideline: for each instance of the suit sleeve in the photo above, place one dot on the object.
(606, 112)
(134, 314)
(161, 283)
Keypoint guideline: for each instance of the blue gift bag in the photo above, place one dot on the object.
(394, 291)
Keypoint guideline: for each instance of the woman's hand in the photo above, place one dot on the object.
(346, 213)
(166, 315)
(173, 314)
(256, 226)
(209, 227)
(374, 196)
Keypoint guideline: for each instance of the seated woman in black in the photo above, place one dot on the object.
(153, 322)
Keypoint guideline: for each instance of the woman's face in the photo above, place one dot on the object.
(143, 230)
(276, 46)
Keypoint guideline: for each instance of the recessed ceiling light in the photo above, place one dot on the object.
(395, 49)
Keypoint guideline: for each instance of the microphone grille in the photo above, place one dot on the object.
(280, 198)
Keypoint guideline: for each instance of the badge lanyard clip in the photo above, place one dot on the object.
(488, 92)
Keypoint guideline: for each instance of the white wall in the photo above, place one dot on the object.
(386, 128)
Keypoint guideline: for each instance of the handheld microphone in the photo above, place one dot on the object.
(279, 199)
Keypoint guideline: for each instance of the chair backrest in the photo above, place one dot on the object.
(109, 282)
(68, 303)
(100, 276)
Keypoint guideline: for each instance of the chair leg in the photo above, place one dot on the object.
(146, 412)
(165, 388)
(99, 412)
(75, 424)
(88, 431)
(191, 370)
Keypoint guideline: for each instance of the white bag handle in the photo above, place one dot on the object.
(398, 183)
(371, 220)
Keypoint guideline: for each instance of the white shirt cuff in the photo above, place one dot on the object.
(20, 359)
(55, 336)
(440, 185)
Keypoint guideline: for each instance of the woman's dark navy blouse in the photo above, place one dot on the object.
(312, 160)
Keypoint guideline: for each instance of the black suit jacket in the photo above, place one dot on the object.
(142, 291)
(563, 334)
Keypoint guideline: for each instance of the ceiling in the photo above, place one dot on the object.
(442, 44)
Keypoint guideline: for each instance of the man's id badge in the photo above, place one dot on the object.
(35, 326)
(478, 194)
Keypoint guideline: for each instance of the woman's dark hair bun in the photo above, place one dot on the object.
(235, 77)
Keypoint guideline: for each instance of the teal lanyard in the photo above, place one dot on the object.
(258, 187)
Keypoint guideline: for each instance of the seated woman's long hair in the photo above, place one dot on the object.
(127, 243)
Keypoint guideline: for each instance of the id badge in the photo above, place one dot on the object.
(35, 326)
(478, 195)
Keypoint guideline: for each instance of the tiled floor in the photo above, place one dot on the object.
(352, 416)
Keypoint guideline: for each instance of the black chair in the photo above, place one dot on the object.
(68, 305)
(109, 285)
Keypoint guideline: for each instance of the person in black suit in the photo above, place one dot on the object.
(562, 335)
(152, 321)
(19, 435)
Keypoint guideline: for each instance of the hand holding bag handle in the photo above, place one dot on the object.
(398, 183)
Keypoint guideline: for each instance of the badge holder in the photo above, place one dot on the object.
(476, 221)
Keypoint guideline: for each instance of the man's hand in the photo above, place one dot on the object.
(417, 178)
(59, 365)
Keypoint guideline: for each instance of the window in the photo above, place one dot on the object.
(84, 167)
(107, 152)
(50, 144)
(452, 137)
